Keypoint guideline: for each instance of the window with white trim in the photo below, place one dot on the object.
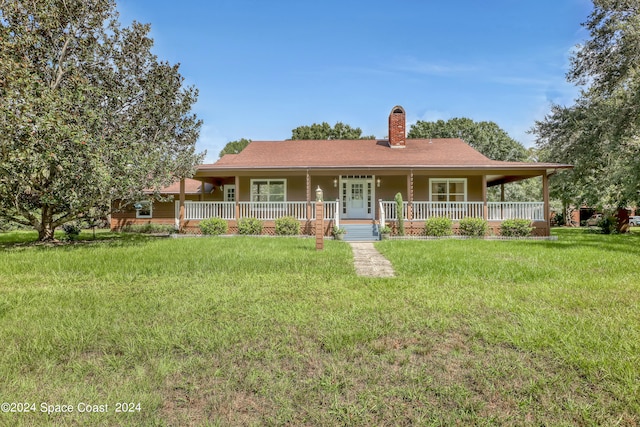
(144, 209)
(229, 193)
(448, 189)
(268, 190)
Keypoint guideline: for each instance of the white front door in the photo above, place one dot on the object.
(357, 198)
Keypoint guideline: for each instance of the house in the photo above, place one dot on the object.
(359, 179)
(163, 213)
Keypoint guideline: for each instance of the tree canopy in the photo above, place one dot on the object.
(87, 113)
(325, 131)
(234, 147)
(486, 137)
(599, 134)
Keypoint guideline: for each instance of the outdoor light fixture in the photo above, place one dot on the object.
(319, 195)
(335, 182)
(378, 182)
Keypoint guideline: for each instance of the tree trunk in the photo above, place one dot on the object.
(45, 229)
(45, 233)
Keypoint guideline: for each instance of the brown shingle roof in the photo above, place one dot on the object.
(191, 186)
(418, 153)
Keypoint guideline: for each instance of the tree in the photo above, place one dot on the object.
(599, 134)
(486, 137)
(325, 131)
(87, 113)
(234, 147)
(605, 165)
(492, 141)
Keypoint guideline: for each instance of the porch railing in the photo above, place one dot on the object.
(273, 210)
(497, 211)
(453, 210)
(513, 210)
(204, 210)
(389, 210)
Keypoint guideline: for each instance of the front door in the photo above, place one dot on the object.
(357, 198)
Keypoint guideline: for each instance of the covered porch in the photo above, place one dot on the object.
(362, 196)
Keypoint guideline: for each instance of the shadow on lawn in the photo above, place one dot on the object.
(570, 238)
(23, 240)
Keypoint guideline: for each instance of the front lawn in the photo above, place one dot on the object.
(255, 331)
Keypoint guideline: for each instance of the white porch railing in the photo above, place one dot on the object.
(273, 210)
(497, 211)
(389, 210)
(259, 210)
(204, 210)
(331, 211)
(454, 210)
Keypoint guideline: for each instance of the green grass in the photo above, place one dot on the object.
(261, 331)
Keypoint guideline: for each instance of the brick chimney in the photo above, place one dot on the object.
(397, 124)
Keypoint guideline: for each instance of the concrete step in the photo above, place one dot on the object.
(361, 232)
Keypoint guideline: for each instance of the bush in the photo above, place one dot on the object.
(71, 230)
(249, 226)
(474, 227)
(400, 213)
(148, 228)
(213, 226)
(516, 228)
(438, 227)
(287, 226)
(608, 224)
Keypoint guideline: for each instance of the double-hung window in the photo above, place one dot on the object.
(448, 189)
(268, 190)
(144, 209)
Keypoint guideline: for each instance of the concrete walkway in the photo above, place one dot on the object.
(369, 262)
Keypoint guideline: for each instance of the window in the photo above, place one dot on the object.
(144, 209)
(229, 193)
(448, 190)
(268, 190)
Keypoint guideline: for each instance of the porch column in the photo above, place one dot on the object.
(308, 196)
(545, 198)
(181, 219)
(237, 208)
(410, 196)
(502, 200)
(485, 208)
(202, 187)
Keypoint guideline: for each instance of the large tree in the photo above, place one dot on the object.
(87, 113)
(235, 147)
(492, 141)
(600, 133)
(486, 137)
(325, 131)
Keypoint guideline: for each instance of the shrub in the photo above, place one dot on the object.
(287, 226)
(608, 224)
(438, 227)
(400, 213)
(338, 231)
(516, 228)
(474, 227)
(149, 228)
(249, 226)
(71, 230)
(213, 226)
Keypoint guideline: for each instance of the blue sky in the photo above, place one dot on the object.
(264, 67)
